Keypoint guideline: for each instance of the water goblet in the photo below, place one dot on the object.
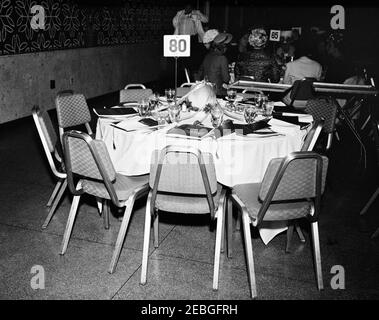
(250, 114)
(143, 108)
(170, 95)
(216, 116)
(174, 112)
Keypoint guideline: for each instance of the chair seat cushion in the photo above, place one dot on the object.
(191, 204)
(123, 185)
(286, 210)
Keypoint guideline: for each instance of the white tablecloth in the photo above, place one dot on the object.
(238, 159)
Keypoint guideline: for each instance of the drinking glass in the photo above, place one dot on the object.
(170, 95)
(268, 108)
(260, 101)
(216, 116)
(231, 94)
(250, 114)
(174, 112)
(143, 107)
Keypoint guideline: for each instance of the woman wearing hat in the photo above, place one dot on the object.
(256, 62)
(215, 64)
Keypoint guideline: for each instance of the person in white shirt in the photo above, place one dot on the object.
(189, 22)
(303, 67)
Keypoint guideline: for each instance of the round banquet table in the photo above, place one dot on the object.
(238, 159)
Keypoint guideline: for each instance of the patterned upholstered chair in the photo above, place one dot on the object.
(250, 93)
(134, 93)
(324, 108)
(72, 110)
(89, 160)
(184, 89)
(291, 189)
(51, 146)
(183, 180)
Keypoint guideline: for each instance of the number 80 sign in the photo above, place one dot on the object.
(176, 46)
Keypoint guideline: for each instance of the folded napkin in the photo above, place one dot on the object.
(251, 128)
(101, 112)
(190, 130)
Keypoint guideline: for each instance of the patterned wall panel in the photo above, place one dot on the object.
(70, 25)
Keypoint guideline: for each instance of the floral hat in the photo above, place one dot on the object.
(258, 38)
(209, 35)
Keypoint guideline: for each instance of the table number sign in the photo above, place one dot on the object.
(176, 46)
(274, 35)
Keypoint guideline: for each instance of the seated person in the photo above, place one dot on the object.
(215, 65)
(303, 67)
(256, 62)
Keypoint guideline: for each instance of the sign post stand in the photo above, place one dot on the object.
(176, 46)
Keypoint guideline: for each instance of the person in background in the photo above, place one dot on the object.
(256, 62)
(338, 68)
(304, 66)
(189, 22)
(215, 65)
(209, 36)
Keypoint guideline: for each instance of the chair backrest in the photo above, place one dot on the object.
(179, 170)
(135, 85)
(249, 93)
(181, 91)
(302, 90)
(299, 176)
(312, 135)
(89, 159)
(187, 84)
(376, 138)
(134, 95)
(323, 108)
(48, 138)
(72, 110)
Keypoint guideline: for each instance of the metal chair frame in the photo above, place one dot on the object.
(312, 217)
(152, 212)
(61, 184)
(78, 191)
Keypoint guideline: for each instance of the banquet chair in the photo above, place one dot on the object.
(184, 89)
(300, 92)
(324, 108)
(134, 93)
(89, 160)
(291, 189)
(72, 110)
(183, 180)
(51, 146)
(308, 145)
(376, 193)
(249, 93)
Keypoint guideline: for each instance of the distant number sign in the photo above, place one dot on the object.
(275, 35)
(176, 46)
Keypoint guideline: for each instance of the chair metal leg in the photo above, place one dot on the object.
(55, 204)
(146, 240)
(219, 236)
(121, 235)
(330, 139)
(375, 234)
(99, 202)
(229, 222)
(249, 253)
(223, 235)
(317, 254)
(156, 230)
(289, 236)
(106, 210)
(54, 193)
(238, 222)
(299, 232)
(369, 203)
(70, 221)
